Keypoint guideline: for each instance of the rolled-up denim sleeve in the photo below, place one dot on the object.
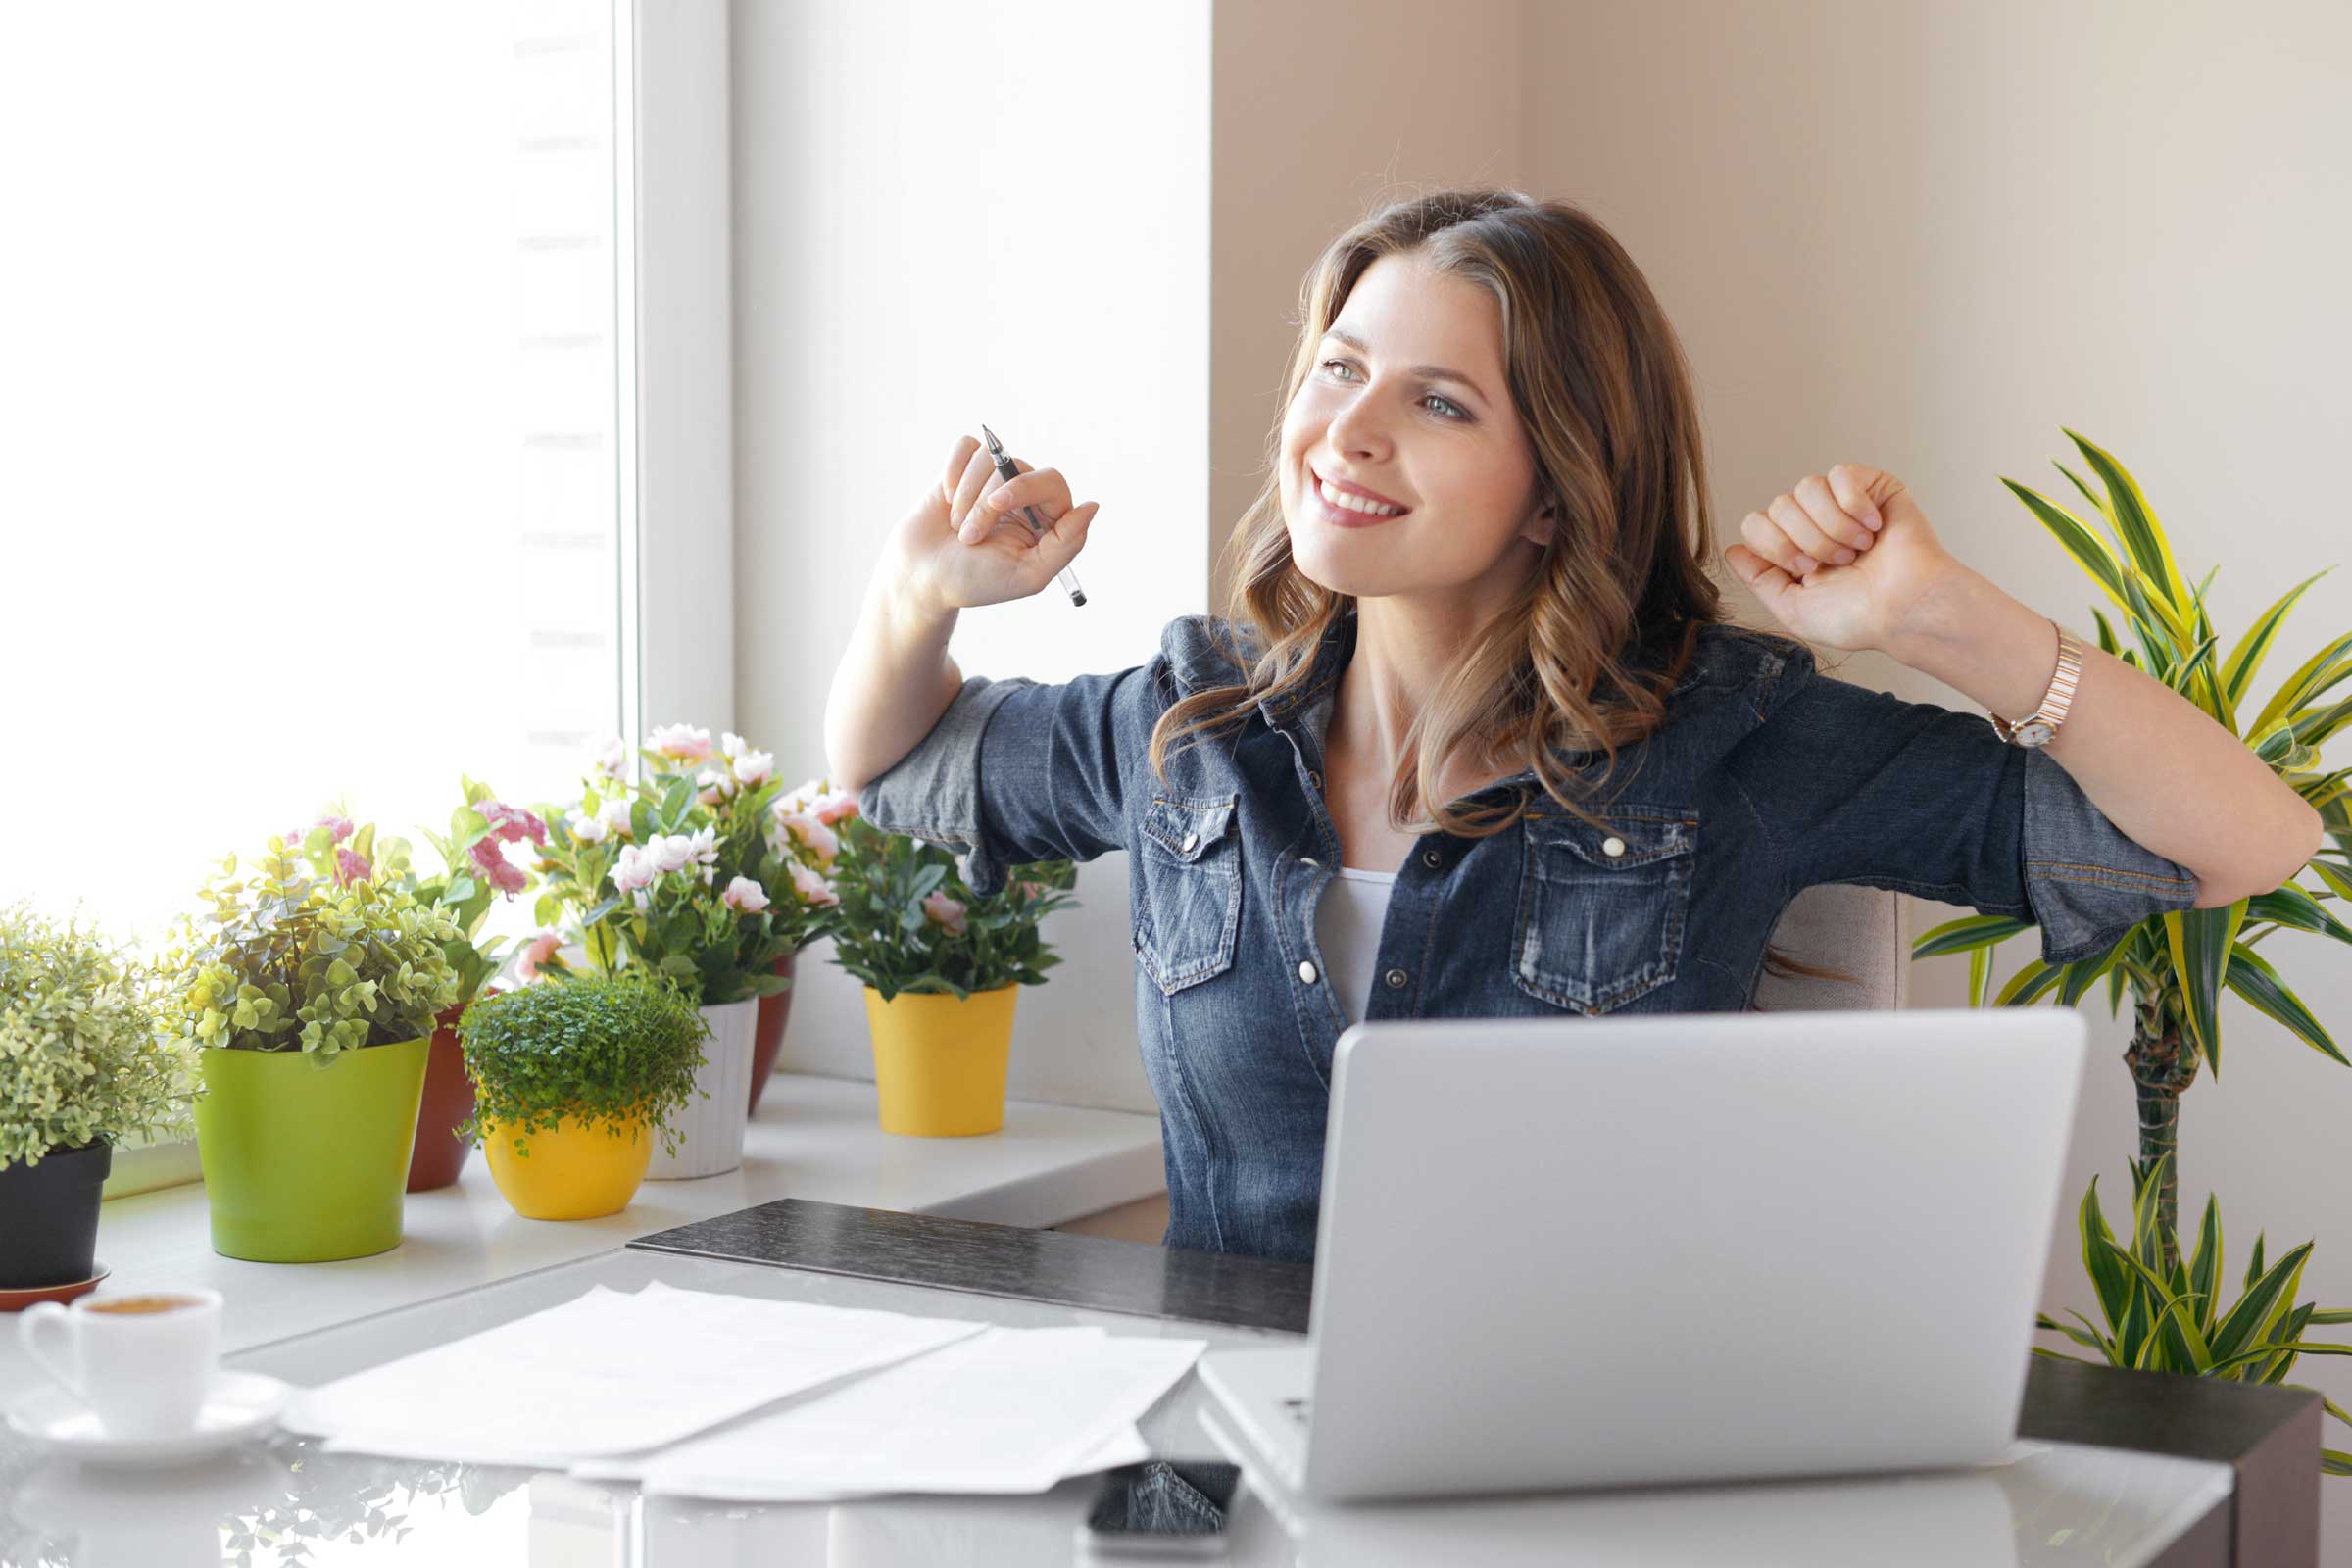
(1016, 770)
(1852, 785)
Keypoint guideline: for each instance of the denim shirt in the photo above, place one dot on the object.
(1766, 778)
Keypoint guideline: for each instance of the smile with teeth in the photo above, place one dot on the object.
(1341, 499)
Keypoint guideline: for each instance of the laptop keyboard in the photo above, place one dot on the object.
(1298, 1409)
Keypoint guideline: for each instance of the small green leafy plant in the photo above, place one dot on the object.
(312, 952)
(2164, 1315)
(601, 1050)
(82, 1057)
(907, 920)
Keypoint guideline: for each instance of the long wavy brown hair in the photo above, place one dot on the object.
(1582, 656)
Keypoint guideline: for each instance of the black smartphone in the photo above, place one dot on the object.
(1161, 1509)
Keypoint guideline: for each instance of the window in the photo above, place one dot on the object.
(313, 404)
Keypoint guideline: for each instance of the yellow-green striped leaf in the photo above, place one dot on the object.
(2135, 521)
(1971, 931)
(2259, 984)
(2201, 941)
(2238, 670)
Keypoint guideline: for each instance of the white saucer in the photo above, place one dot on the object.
(240, 1405)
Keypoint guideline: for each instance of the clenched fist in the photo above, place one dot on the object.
(1842, 558)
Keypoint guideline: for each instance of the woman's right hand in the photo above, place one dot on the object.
(964, 544)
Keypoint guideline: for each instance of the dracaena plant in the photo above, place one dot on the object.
(909, 922)
(2178, 964)
(2167, 1315)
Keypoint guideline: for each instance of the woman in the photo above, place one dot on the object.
(1475, 739)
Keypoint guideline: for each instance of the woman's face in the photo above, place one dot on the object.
(1374, 412)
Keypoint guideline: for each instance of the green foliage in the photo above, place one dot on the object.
(2179, 963)
(644, 873)
(603, 1050)
(2171, 1317)
(889, 937)
(472, 870)
(287, 959)
(83, 1055)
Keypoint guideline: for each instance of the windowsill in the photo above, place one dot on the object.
(814, 1138)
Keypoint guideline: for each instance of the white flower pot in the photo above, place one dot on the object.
(710, 1128)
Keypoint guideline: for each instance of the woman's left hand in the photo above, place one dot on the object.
(1844, 558)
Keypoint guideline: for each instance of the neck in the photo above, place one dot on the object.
(1403, 651)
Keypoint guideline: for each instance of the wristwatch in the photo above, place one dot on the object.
(2041, 728)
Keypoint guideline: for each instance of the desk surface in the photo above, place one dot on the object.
(2048, 1502)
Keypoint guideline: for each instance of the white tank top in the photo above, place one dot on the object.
(1348, 924)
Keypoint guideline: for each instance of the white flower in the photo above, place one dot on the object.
(682, 742)
(615, 815)
(703, 845)
(732, 744)
(611, 758)
(746, 895)
(798, 799)
(589, 829)
(755, 768)
(670, 851)
(634, 869)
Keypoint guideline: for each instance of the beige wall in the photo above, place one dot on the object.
(1922, 236)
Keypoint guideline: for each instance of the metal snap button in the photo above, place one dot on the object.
(1395, 978)
(1612, 846)
(1307, 972)
(1191, 839)
(1432, 857)
(1317, 779)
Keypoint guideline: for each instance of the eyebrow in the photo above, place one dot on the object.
(1428, 372)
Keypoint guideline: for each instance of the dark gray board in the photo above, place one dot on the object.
(2269, 1435)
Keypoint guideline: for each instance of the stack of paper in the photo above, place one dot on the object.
(1010, 1410)
(606, 1373)
(674, 1389)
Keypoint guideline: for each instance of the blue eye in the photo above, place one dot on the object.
(1459, 413)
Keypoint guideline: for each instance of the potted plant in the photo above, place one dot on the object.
(941, 966)
(83, 1066)
(573, 1079)
(476, 871)
(802, 838)
(670, 873)
(309, 987)
(2178, 964)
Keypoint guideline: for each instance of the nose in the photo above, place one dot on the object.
(1360, 432)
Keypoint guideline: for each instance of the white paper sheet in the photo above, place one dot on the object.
(609, 1372)
(1010, 1410)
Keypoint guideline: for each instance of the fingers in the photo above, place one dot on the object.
(1765, 538)
(1852, 486)
(977, 472)
(957, 461)
(1812, 544)
(1060, 545)
(1043, 489)
(1768, 581)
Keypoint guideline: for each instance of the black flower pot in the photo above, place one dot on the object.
(49, 1217)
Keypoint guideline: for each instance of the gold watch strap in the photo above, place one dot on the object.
(2041, 728)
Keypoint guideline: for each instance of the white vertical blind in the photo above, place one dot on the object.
(309, 390)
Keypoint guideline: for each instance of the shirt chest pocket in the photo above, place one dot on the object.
(1601, 910)
(1188, 907)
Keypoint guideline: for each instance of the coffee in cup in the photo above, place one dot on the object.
(141, 1362)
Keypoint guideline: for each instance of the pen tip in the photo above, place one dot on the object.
(992, 443)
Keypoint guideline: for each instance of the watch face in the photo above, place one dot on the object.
(2034, 732)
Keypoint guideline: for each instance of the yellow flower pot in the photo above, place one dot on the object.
(939, 1060)
(572, 1172)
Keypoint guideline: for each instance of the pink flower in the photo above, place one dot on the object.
(1033, 890)
(755, 768)
(812, 833)
(744, 895)
(831, 808)
(715, 786)
(502, 873)
(538, 951)
(813, 890)
(350, 868)
(338, 828)
(680, 743)
(294, 838)
(512, 822)
(945, 911)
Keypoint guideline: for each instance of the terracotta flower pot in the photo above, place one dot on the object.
(440, 1153)
(768, 1038)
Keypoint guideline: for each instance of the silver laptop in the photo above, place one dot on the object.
(1677, 1247)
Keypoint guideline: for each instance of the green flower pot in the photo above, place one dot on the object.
(308, 1160)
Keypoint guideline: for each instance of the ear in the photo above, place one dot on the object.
(1539, 528)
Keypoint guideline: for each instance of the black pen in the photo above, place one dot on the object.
(1007, 471)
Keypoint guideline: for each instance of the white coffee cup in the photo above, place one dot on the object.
(142, 1361)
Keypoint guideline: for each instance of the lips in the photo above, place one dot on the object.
(1356, 490)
